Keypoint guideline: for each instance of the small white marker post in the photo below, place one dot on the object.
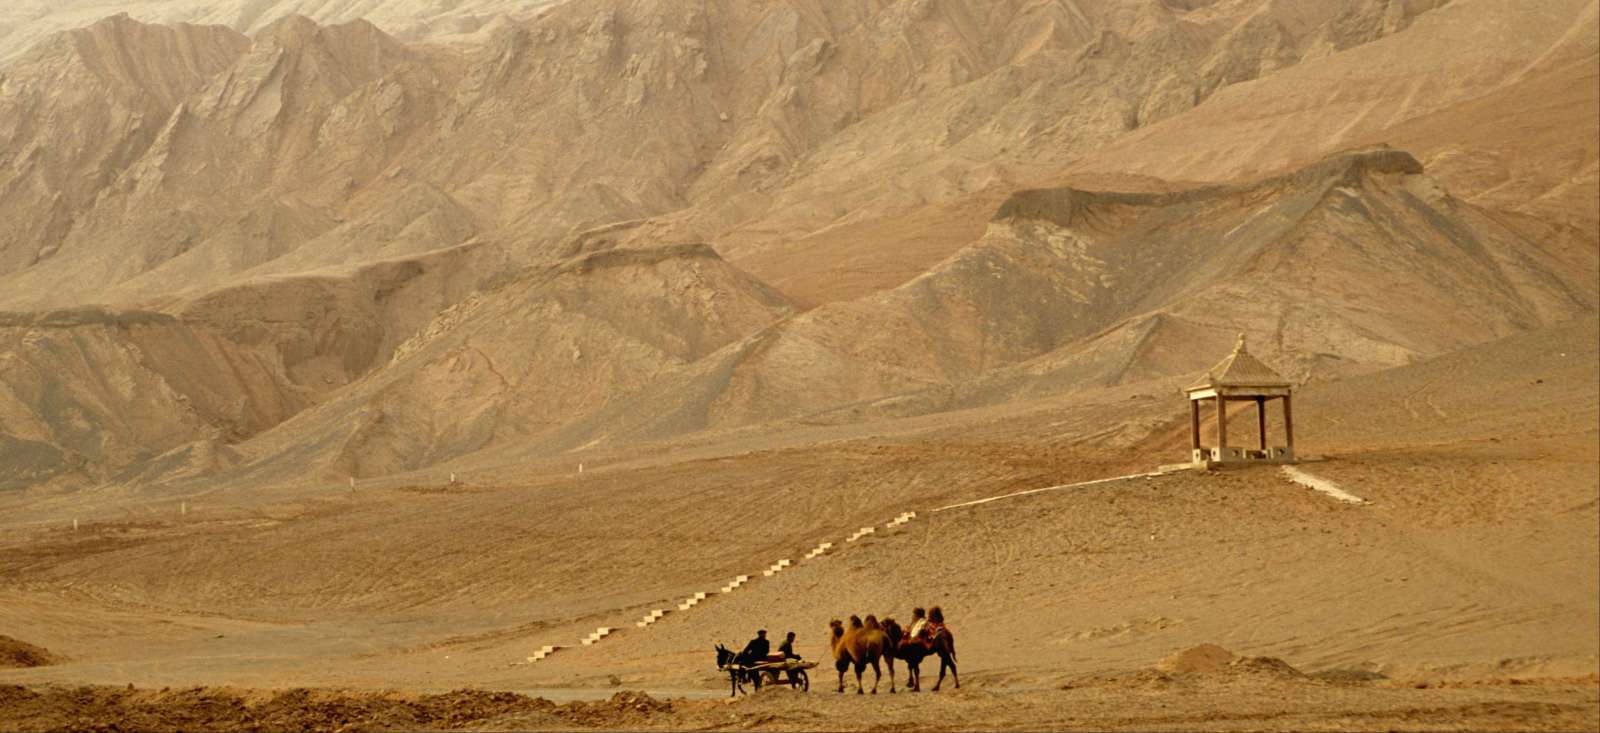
(183, 509)
(74, 524)
(452, 477)
(352, 483)
(580, 468)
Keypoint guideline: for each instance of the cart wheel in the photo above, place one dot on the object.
(805, 680)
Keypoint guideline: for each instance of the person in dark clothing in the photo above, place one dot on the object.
(787, 647)
(758, 648)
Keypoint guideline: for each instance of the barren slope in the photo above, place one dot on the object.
(1473, 561)
(747, 126)
(260, 159)
(367, 347)
(510, 365)
(24, 22)
(1355, 263)
(1466, 50)
(87, 395)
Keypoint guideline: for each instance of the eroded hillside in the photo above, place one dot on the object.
(298, 248)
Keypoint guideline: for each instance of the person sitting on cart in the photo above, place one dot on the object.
(757, 650)
(787, 647)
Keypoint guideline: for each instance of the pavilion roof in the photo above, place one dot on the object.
(1240, 369)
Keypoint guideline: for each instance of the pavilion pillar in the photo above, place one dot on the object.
(1261, 421)
(1194, 424)
(1222, 426)
(1288, 426)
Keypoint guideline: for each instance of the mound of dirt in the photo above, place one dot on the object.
(1196, 665)
(1139, 678)
(17, 653)
(1265, 666)
(1213, 660)
(1202, 659)
(622, 710)
(224, 709)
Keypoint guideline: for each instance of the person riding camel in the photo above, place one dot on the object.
(935, 625)
(919, 626)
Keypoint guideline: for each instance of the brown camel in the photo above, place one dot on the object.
(858, 646)
(912, 652)
(896, 646)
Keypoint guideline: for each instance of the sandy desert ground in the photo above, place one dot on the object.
(1463, 595)
(347, 365)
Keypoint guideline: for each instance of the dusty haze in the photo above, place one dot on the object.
(272, 273)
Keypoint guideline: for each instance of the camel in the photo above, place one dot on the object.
(913, 652)
(860, 645)
(896, 646)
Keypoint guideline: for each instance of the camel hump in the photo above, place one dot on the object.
(872, 622)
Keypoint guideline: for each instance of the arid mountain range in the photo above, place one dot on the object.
(292, 249)
(24, 22)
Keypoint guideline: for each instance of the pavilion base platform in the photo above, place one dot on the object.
(1231, 457)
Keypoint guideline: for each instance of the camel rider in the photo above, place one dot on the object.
(787, 647)
(935, 625)
(919, 626)
(758, 648)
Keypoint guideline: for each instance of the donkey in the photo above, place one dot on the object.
(738, 671)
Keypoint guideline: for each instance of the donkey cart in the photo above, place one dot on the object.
(740, 672)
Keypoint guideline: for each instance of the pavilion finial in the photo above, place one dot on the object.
(1238, 348)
